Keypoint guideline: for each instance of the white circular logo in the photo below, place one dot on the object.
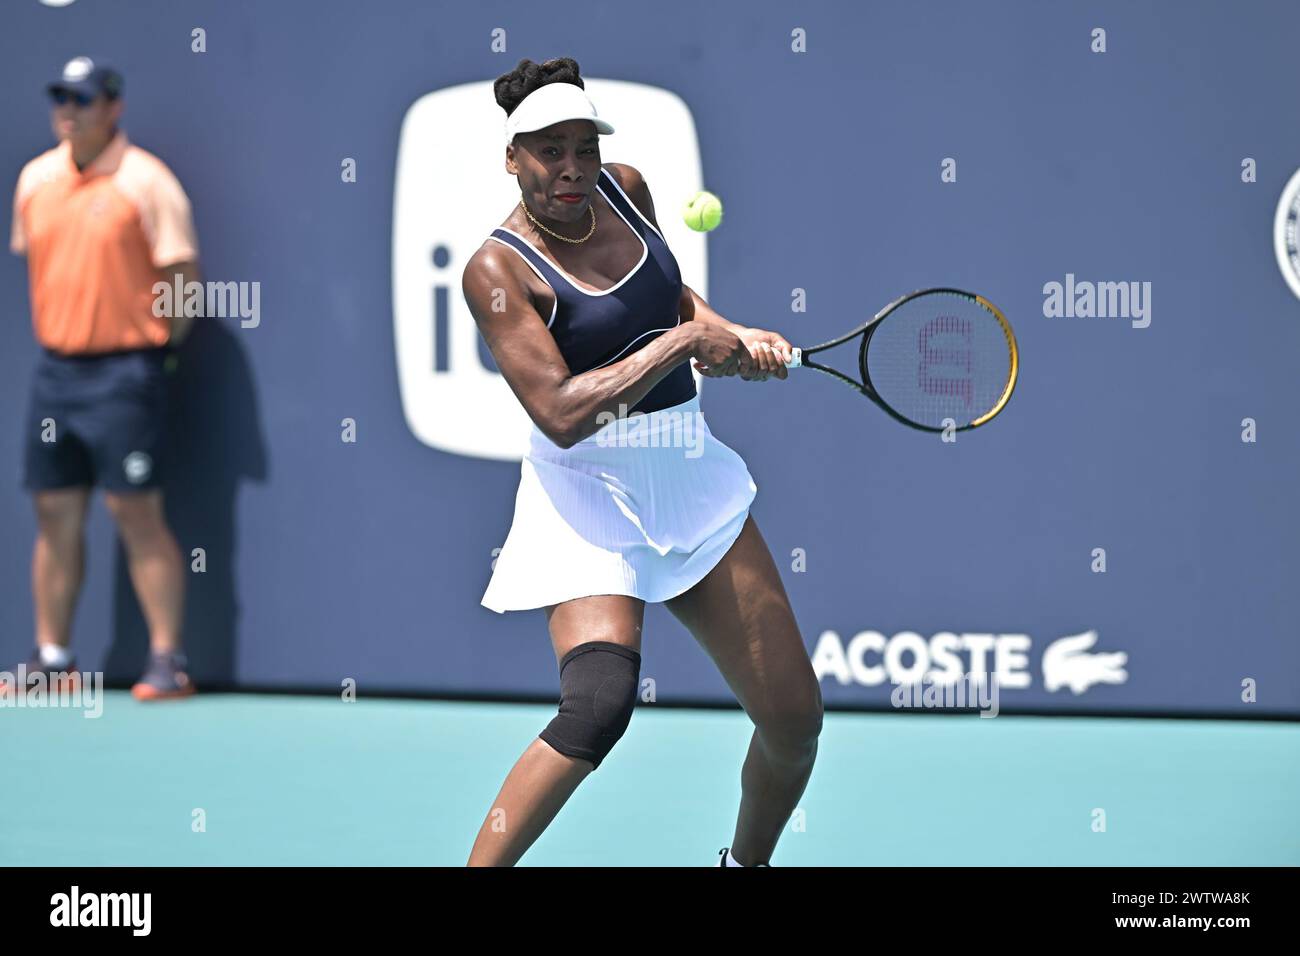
(1286, 243)
(77, 70)
(57, 3)
(137, 466)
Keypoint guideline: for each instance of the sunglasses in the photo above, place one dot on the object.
(61, 97)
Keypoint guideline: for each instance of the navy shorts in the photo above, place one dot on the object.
(96, 420)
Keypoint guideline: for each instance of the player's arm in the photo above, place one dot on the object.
(27, 180)
(764, 347)
(180, 322)
(567, 407)
(173, 244)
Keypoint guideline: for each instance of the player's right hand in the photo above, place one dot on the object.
(719, 352)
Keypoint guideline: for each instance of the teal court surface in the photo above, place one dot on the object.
(298, 780)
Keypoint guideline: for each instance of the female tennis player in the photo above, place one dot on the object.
(583, 307)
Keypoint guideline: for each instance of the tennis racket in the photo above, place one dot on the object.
(933, 359)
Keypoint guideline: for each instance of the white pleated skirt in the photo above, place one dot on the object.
(645, 507)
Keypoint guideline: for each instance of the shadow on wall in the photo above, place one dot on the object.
(214, 440)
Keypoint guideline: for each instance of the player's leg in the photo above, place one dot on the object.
(58, 473)
(741, 616)
(58, 562)
(154, 562)
(126, 432)
(597, 643)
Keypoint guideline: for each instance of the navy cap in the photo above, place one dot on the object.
(86, 76)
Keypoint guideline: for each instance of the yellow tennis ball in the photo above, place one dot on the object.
(703, 212)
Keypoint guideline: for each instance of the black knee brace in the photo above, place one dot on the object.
(598, 687)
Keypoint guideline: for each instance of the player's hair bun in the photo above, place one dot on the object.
(511, 88)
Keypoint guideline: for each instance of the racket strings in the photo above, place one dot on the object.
(940, 357)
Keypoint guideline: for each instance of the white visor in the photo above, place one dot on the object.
(551, 104)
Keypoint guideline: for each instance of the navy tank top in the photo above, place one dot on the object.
(595, 329)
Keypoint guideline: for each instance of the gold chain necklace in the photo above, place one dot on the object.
(591, 209)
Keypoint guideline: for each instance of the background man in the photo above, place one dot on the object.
(101, 221)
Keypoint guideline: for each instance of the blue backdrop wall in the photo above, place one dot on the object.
(328, 560)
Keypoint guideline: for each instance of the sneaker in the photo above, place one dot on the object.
(164, 679)
(65, 678)
(725, 852)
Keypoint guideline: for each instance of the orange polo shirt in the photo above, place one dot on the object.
(95, 240)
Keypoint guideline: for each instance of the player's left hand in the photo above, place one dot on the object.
(769, 351)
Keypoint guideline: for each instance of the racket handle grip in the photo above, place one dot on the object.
(795, 360)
